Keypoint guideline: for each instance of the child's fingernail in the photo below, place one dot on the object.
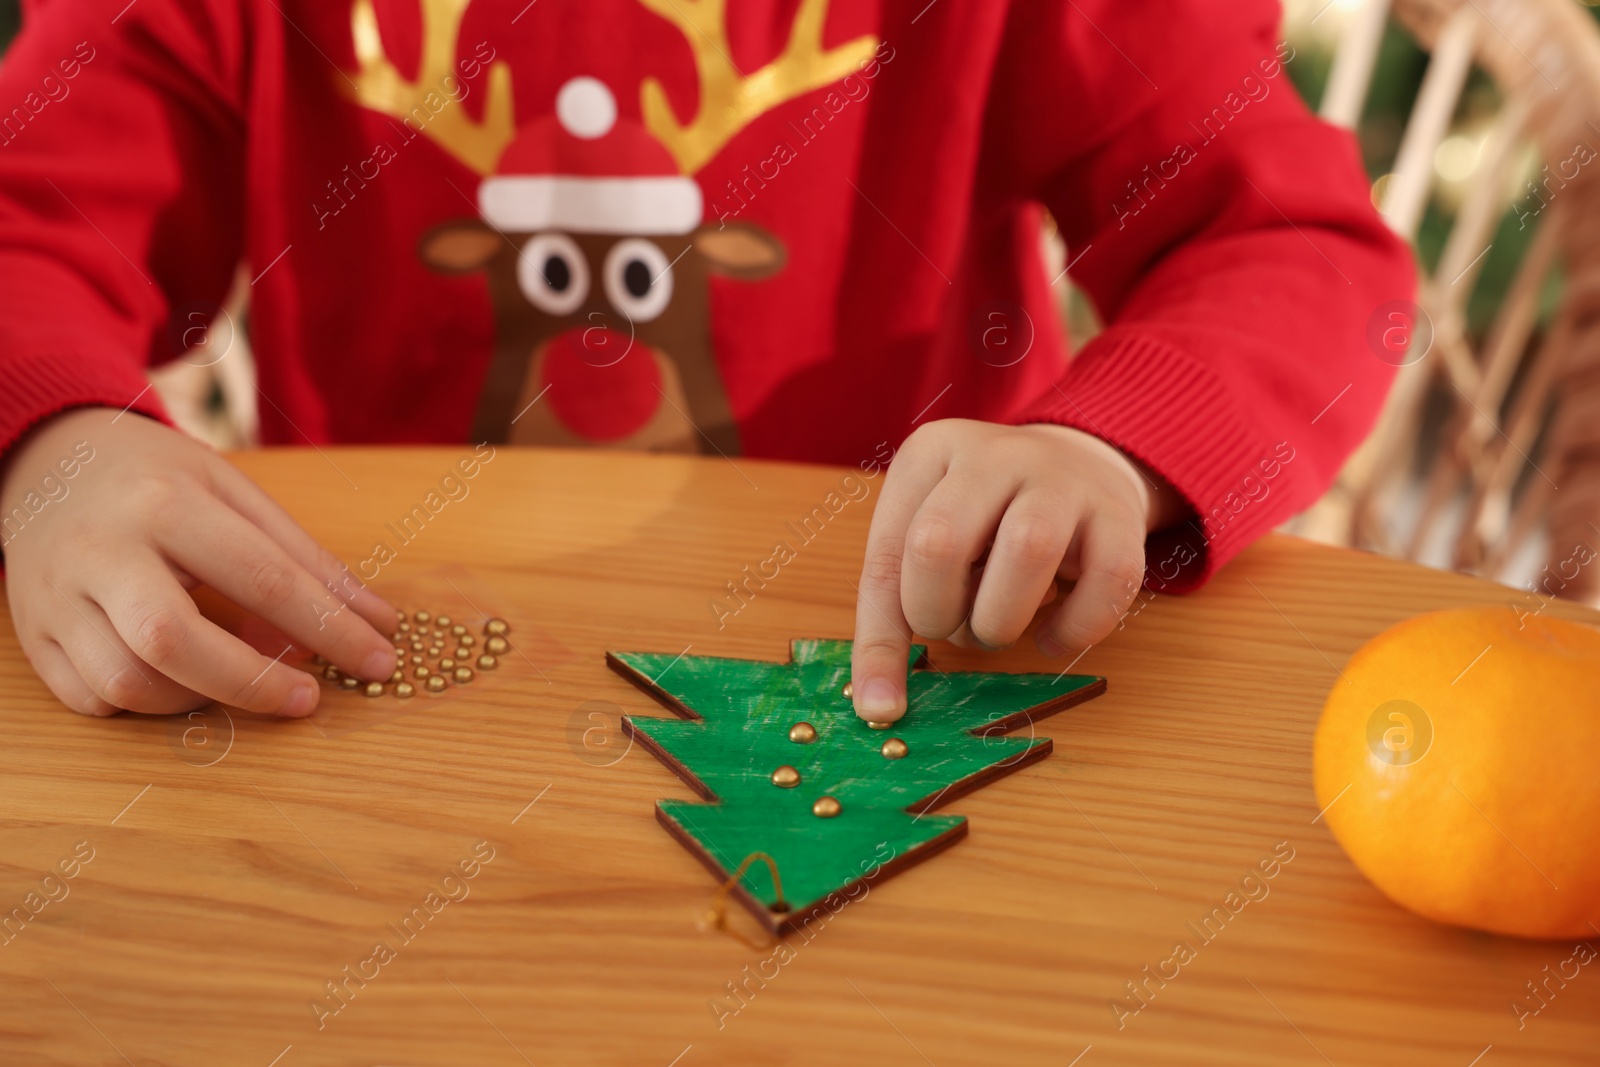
(877, 695)
(302, 698)
(379, 665)
(1050, 647)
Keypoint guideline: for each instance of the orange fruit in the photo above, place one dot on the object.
(1456, 763)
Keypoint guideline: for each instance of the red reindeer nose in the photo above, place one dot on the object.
(604, 385)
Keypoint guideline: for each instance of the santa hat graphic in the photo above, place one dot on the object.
(585, 170)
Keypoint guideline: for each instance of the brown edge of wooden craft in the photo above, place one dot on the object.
(780, 923)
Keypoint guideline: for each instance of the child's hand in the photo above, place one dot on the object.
(975, 523)
(97, 578)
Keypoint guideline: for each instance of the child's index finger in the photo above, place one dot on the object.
(883, 637)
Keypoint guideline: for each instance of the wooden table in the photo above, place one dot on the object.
(240, 864)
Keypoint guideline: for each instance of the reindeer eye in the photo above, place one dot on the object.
(553, 274)
(556, 274)
(638, 278)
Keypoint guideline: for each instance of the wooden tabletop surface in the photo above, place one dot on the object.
(238, 865)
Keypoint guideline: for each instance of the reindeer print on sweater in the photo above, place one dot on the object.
(593, 237)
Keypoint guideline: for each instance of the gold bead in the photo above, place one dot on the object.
(447, 664)
(894, 748)
(436, 684)
(497, 646)
(463, 675)
(468, 640)
(417, 644)
(435, 651)
(319, 660)
(347, 682)
(487, 662)
(849, 690)
(331, 673)
(458, 629)
(496, 627)
(802, 733)
(422, 671)
(880, 725)
(404, 690)
(462, 652)
(443, 622)
(400, 616)
(422, 616)
(416, 658)
(396, 676)
(826, 808)
(404, 627)
(374, 689)
(786, 777)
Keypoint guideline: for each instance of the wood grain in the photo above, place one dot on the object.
(226, 890)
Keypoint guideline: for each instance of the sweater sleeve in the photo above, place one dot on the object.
(1228, 240)
(119, 197)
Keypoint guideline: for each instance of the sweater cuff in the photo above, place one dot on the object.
(39, 386)
(1160, 406)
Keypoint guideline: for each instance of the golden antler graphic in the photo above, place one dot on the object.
(380, 86)
(729, 101)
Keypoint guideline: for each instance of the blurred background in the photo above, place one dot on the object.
(1477, 122)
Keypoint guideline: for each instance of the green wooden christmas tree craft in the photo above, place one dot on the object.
(768, 744)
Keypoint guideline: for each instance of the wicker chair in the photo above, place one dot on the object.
(1519, 451)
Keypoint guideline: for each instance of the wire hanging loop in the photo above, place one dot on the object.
(717, 912)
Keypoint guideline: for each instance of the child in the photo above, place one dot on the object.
(792, 230)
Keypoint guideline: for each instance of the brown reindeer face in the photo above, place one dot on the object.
(603, 339)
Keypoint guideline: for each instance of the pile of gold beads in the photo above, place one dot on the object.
(431, 652)
(803, 733)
